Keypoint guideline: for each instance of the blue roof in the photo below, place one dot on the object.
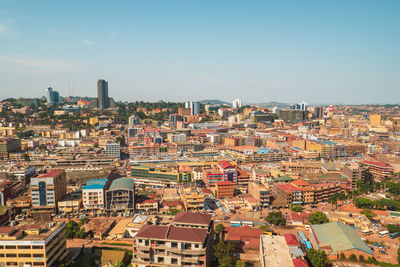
(93, 186)
(96, 184)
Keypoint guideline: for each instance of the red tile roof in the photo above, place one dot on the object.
(187, 234)
(300, 183)
(225, 164)
(51, 173)
(192, 218)
(224, 183)
(299, 263)
(288, 187)
(377, 163)
(291, 240)
(152, 231)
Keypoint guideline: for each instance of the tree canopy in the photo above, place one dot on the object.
(318, 218)
(276, 218)
(317, 258)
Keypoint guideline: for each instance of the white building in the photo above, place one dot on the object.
(237, 103)
(113, 150)
(194, 107)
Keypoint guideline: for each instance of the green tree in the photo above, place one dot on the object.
(353, 257)
(368, 213)
(361, 258)
(393, 228)
(276, 218)
(71, 229)
(297, 208)
(333, 200)
(240, 264)
(342, 256)
(224, 252)
(398, 255)
(317, 258)
(219, 229)
(26, 157)
(120, 140)
(318, 218)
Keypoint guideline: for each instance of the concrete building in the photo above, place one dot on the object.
(260, 192)
(46, 190)
(113, 150)
(336, 238)
(187, 241)
(353, 172)
(52, 97)
(224, 189)
(293, 115)
(193, 199)
(121, 195)
(274, 251)
(32, 245)
(102, 94)
(237, 103)
(8, 145)
(93, 194)
(194, 107)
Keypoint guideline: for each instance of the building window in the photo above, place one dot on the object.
(38, 255)
(174, 261)
(11, 247)
(37, 247)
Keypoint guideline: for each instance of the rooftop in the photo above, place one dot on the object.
(122, 183)
(275, 251)
(192, 218)
(339, 236)
(51, 173)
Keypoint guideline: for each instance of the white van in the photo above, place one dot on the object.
(383, 233)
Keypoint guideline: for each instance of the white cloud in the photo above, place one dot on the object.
(48, 65)
(113, 35)
(4, 30)
(87, 42)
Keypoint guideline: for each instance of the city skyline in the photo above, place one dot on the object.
(336, 52)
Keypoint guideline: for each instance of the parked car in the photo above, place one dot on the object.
(383, 252)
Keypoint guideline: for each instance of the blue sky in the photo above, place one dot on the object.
(337, 51)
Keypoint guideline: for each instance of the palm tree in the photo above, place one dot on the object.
(332, 200)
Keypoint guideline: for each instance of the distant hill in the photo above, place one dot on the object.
(215, 102)
(272, 104)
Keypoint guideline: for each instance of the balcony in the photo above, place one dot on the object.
(190, 260)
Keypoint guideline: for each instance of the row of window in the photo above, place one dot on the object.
(21, 255)
(20, 247)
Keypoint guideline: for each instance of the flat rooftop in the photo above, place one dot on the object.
(275, 252)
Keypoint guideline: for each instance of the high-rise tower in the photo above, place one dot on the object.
(102, 94)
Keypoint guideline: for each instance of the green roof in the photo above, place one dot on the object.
(283, 178)
(261, 171)
(122, 183)
(339, 236)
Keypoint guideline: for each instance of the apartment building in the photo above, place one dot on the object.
(46, 190)
(93, 194)
(159, 175)
(193, 199)
(224, 189)
(31, 245)
(260, 192)
(8, 145)
(187, 241)
(353, 172)
(300, 193)
(379, 170)
(113, 149)
(121, 195)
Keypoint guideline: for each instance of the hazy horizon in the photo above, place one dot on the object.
(259, 51)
